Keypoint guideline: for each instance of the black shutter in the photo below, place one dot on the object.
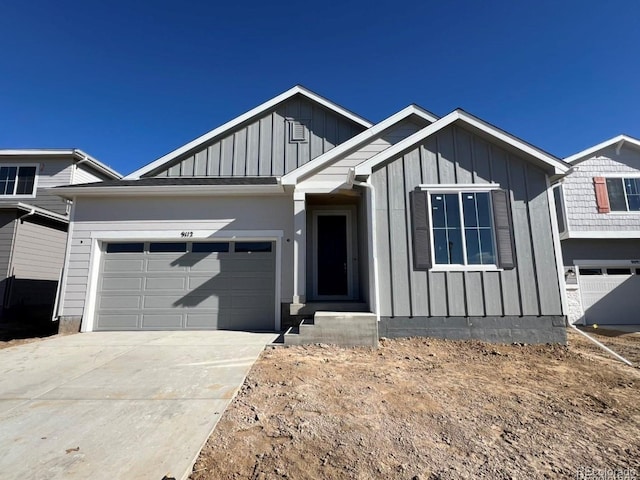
(420, 230)
(503, 223)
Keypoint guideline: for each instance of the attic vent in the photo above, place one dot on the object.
(297, 131)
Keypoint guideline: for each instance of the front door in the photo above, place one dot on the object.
(332, 279)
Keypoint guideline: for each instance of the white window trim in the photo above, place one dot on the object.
(459, 189)
(626, 200)
(35, 180)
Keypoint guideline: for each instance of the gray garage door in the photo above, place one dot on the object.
(610, 295)
(186, 285)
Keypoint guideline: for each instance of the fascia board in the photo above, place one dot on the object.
(587, 153)
(42, 212)
(168, 190)
(254, 112)
(365, 168)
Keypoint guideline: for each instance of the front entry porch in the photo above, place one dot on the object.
(333, 271)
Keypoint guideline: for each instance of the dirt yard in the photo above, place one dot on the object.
(432, 409)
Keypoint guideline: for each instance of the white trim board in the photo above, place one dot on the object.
(297, 90)
(460, 116)
(609, 234)
(587, 153)
(73, 152)
(359, 140)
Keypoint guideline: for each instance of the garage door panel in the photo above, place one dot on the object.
(164, 265)
(165, 283)
(120, 302)
(123, 265)
(119, 283)
(119, 321)
(199, 321)
(218, 283)
(209, 265)
(161, 321)
(159, 290)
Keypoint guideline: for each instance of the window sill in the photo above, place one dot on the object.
(8, 197)
(466, 268)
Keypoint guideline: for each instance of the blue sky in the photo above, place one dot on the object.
(130, 81)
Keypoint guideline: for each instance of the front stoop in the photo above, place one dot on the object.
(336, 328)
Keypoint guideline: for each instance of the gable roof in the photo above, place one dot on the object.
(460, 116)
(81, 156)
(618, 141)
(317, 163)
(245, 117)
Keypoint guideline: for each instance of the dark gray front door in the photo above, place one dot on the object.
(332, 256)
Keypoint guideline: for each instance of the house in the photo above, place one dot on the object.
(599, 210)
(34, 221)
(302, 214)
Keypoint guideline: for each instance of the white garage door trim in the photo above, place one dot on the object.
(99, 238)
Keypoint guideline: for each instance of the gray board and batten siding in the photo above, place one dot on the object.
(519, 304)
(262, 146)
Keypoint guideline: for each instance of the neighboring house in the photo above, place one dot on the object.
(34, 221)
(599, 212)
(416, 225)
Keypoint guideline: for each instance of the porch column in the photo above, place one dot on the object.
(299, 247)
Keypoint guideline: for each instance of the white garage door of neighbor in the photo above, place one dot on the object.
(610, 295)
(186, 285)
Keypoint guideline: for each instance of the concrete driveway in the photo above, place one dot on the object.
(119, 404)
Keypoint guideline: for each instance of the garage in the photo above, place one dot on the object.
(194, 285)
(610, 295)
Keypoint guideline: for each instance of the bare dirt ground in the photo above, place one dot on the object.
(432, 409)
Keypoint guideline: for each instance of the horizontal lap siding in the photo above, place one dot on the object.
(183, 214)
(38, 252)
(458, 156)
(7, 227)
(580, 197)
(85, 175)
(51, 173)
(262, 147)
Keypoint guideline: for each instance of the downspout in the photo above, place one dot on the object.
(372, 235)
(605, 348)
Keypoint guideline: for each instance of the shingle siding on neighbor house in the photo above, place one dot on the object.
(580, 197)
(457, 156)
(262, 147)
(339, 170)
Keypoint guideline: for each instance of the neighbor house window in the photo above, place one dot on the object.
(17, 180)
(470, 228)
(624, 194)
(462, 229)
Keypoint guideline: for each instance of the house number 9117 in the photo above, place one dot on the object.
(186, 234)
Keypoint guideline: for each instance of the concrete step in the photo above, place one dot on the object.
(311, 308)
(337, 328)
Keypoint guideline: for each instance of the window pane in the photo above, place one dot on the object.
(634, 202)
(244, 247)
(618, 271)
(631, 186)
(125, 247)
(440, 246)
(210, 247)
(167, 247)
(469, 209)
(484, 210)
(453, 209)
(474, 256)
(26, 179)
(616, 195)
(590, 271)
(437, 211)
(487, 247)
(455, 246)
(7, 180)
